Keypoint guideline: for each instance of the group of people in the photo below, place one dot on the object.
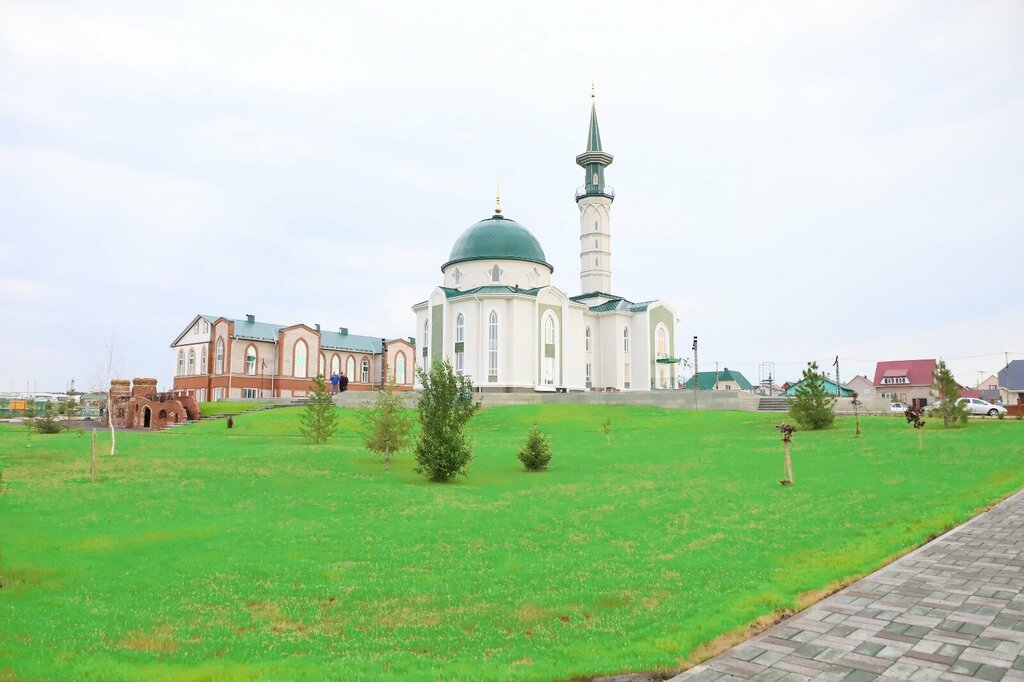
(339, 382)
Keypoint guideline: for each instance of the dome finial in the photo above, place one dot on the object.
(497, 202)
(593, 94)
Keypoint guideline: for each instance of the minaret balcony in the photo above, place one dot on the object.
(589, 191)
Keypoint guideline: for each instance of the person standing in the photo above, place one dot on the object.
(343, 383)
(334, 382)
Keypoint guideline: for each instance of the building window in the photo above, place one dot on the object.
(496, 273)
(248, 392)
(597, 228)
(335, 364)
(181, 362)
(204, 368)
(460, 338)
(191, 360)
(597, 243)
(400, 368)
(895, 380)
(625, 339)
(597, 261)
(457, 277)
(426, 336)
(460, 328)
(206, 327)
(586, 339)
(589, 374)
(250, 360)
(220, 356)
(366, 371)
(460, 363)
(549, 329)
(323, 365)
(299, 368)
(350, 368)
(492, 345)
(626, 379)
(661, 343)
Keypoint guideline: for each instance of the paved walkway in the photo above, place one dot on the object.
(951, 610)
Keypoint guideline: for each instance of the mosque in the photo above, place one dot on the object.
(497, 318)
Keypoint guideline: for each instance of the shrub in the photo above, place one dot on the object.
(536, 452)
(48, 422)
(445, 406)
(813, 407)
(320, 420)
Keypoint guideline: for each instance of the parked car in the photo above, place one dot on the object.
(976, 406)
(898, 407)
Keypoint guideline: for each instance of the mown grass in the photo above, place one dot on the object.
(203, 553)
(227, 407)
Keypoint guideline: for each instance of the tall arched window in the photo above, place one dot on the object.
(220, 356)
(335, 364)
(400, 368)
(586, 339)
(496, 273)
(250, 360)
(625, 339)
(299, 368)
(549, 352)
(203, 367)
(460, 337)
(323, 364)
(492, 346)
(181, 362)
(350, 368)
(549, 329)
(365, 373)
(191, 360)
(661, 343)
(426, 333)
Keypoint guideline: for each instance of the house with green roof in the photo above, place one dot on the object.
(221, 357)
(723, 380)
(830, 388)
(497, 317)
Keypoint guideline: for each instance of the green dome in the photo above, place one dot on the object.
(497, 238)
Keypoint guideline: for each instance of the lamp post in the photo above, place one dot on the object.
(263, 366)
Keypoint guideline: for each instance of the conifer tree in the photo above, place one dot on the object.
(387, 425)
(445, 407)
(320, 420)
(813, 407)
(948, 406)
(536, 451)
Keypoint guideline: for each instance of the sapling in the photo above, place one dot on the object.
(606, 429)
(915, 416)
(536, 452)
(787, 432)
(855, 401)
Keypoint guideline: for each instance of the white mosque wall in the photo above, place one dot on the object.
(478, 273)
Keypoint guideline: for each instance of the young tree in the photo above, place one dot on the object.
(915, 416)
(948, 406)
(856, 402)
(48, 422)
(387, 424)
(446, 405)
(536, 452)
(71, 407)
(787, 432)
(107, 371)
(606, 429)
(320, 420)
(813, 407)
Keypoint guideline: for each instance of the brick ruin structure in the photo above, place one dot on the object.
(137, 404)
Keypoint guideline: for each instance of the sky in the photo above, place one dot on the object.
(798, 181)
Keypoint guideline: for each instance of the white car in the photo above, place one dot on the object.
(979, 406)
(898, 407)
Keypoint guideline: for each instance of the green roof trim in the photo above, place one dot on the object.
(497, 238)
(490, 289)
(706, 380)
(621, 305)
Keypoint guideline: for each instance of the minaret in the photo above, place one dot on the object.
(594, 199)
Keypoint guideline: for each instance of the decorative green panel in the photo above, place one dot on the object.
(557, 312)
(460, 346)
(659, 314)
(549, 350)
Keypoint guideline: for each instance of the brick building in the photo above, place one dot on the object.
(218, 357)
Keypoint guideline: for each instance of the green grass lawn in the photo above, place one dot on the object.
(203, 553)
(227, 407)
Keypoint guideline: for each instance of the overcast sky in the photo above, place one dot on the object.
(797, 180)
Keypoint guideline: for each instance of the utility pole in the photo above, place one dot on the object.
(696, 374)
(836, 365)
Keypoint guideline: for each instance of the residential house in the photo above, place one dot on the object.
(988, 389)
(1011, 380)
(724, 380)
(862, 385)
(909, 381)
(844, 390)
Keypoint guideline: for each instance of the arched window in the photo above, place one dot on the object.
(365, 371)
(323, 365)
(350, 368)
(495, 273)
(191, 360)
(181, 362)
(661, 342)
(492, 346)
(549, 352)
(299, 368)
(586, 339)
(625, 339)
(204, 368)
(460, 328)
(426, 333)
(460, 337)
(400, 368)
(220, 356)
(549, 329)
(250, 360)
(335, 364)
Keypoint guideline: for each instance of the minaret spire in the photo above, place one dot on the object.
(497, 201)
(594, 200)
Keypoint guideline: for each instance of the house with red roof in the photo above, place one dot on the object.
(909, 381)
